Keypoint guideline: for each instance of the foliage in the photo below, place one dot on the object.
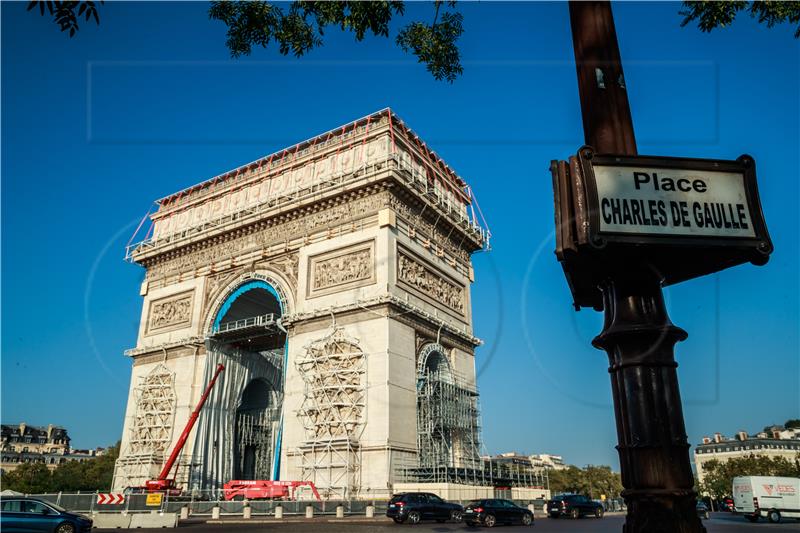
(591, 481)
(792, 423)
(64, 13)
(90, 475)
(28, 478)
(435, 45)
(301, 28)
(710, 15)
(718, 475)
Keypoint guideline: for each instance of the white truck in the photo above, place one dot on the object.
(771, 497)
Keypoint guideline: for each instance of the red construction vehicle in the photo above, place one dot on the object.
(260, 489)
(163, 483)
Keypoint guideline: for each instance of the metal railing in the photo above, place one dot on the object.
(245, 323)
(203, 503)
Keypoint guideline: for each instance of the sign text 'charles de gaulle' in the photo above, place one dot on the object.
(681, 217)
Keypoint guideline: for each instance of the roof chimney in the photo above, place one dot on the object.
(717, 437)
(706, 440)
(742, 435)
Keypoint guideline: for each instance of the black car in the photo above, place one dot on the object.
(702, 510)
(28, 514)
(415, 507)
(574, 506)
(493, 511)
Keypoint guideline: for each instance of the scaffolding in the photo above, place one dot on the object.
(448, 431)
(408, 155)
(333, 413)
(151, 430)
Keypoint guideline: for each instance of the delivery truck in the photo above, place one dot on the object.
(773, 498)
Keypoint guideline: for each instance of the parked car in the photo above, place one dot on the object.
(415, 507)
(28, 514)
(702, 510)
(574, 506)
(727, 505)
(493, 511)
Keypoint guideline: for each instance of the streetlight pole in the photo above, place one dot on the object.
(637, 335)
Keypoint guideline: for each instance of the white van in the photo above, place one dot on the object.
(771, 497)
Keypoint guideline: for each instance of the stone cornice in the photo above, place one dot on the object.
(186, 342)
(463, 334)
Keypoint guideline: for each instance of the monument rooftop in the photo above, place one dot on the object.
(376, 151)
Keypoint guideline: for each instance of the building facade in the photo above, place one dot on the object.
(332, 280)
(776, 441)
(50, 445)
(547, 461)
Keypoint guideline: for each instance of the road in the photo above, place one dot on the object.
(719, 523)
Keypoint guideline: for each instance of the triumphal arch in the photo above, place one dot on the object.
(332, 280)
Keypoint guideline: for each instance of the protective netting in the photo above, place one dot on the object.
(231, 440)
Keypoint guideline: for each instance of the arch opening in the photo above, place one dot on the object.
(254, 431)
(241, 428)
(447, 416)
(249, 318)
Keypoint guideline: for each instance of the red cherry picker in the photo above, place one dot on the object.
(163, 483)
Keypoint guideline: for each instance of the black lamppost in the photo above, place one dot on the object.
(637, 333)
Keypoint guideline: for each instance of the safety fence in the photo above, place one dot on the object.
(209, 504)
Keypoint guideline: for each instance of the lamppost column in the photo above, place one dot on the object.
(639, 338)
(637, 334)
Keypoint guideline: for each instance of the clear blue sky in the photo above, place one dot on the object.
(97, 127)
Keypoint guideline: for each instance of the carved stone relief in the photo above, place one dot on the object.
(215, 283)
(342, 269)
(170, 313)
(436, 234)
(425, 280)
(270, 235)
(288, 265)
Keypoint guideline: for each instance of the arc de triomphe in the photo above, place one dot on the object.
(332, 279)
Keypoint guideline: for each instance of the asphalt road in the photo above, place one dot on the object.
(719, 523)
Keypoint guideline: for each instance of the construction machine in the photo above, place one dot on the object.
(261, 489)
(163, 483)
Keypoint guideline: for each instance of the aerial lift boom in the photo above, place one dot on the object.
(163, 483)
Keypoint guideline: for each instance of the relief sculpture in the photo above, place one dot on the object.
(270, 235)
(171, 312)
(346, 268)
(429, 283)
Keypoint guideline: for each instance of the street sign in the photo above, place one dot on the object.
(665, 200)
(154, 499)
(678, 217)
(113, 498)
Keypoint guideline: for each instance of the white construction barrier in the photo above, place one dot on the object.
(309, 511)
(279, 511)
(370, 511)
(111, 520)
(153, 519)
(184, 512)
(247, 512)
(339, 511)
(215, 512)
